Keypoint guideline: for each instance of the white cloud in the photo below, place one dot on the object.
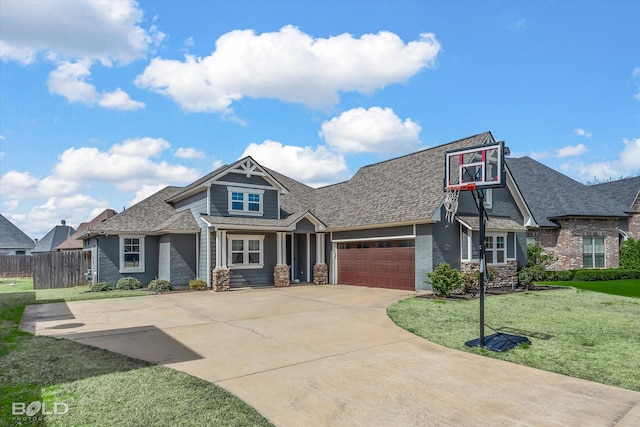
(73, 209)
(119, 100)
(582, 132)
(374, 130)
(314, 167)
(128, 166)
(519, 25)
(144, 192)
(215, 165)
(539, 155)
(627, 164)
(288, 65)
(103, 30)
(571, 150)
(189, 153)
(69, 80)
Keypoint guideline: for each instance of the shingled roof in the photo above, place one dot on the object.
(152, 215)
(551, 195)
(624, 191)
(11, 237)
(73, 242)
(404, 189)
(53, 238)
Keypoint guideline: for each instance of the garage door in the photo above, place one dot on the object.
(387, 264)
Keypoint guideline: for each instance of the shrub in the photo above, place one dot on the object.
(630, 254)
(197, 285)
(444, 279)
(100, 287)
(160, 285)
(128, 283)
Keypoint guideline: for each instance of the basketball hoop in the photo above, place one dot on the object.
(451, 199)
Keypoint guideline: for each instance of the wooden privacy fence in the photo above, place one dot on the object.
(15, 266)
(63, 269)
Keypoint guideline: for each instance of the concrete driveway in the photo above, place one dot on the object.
(330, 356)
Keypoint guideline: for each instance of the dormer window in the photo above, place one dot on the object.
(245, 201)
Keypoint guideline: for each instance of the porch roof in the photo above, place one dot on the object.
(494, 224)
(286, 224)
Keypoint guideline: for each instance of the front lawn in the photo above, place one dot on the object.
(582, 334)
(99, 388)
(627, 288)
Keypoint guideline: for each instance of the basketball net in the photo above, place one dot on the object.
(451, 203)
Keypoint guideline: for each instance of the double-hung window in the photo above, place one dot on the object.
(247, 201)
(593, 252)
(131, 254)
(495, 249)
(246, 251)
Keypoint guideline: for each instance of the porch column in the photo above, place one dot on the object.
(281, 270)
(320, 269)
(221, 276)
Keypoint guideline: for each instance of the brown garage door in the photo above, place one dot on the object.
(388, 264)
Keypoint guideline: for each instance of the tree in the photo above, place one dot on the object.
(630, 254)
(537, 262)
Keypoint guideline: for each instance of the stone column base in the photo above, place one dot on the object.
(221, 278)
(281, 276)
(320, 274)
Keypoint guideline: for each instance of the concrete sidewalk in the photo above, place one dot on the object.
(330, 356)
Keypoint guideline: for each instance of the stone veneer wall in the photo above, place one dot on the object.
(507, 273)
(221, 278)
(320, 274)
(281, 277)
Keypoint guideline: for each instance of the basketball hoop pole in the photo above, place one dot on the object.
(482, 266)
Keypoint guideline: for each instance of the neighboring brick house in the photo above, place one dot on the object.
(246, 225)
(578, 224)
(627, 193)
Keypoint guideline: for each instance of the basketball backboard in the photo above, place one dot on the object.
(482, 165)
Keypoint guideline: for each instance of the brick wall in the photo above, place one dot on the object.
(565, 243)
(634, 221)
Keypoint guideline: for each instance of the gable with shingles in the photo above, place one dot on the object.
(401, 190)
(11, 237)
(550, 194)
(625, 191)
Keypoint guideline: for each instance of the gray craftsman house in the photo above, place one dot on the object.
(246, 225)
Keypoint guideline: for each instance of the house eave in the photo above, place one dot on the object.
(383, 225)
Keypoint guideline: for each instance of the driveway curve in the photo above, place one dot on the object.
(330, 356)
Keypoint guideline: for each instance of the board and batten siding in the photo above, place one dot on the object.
(424, 255)
(198, 206)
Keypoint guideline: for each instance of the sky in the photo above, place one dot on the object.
(104, 103)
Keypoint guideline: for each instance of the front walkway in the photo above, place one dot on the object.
(330, 356)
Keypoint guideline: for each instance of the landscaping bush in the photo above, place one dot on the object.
(100, 287)
(630, 254)
(160, 285)
(536, 269)
(197, 285)
(591, 275)
(444, 279)
(558, 276)
(128, 283)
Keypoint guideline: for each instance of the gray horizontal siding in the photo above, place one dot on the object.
(256, 277)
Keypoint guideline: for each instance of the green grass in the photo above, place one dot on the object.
(627, 288)
(99, 388)
(582, 334)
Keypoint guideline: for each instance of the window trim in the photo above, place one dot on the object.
(495, 250)
(245, 200)
(245, 245)
(141, 267)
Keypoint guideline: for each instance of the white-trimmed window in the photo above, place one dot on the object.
(465, 244)
(593, 252)
(488, 198)
(245, 251)
(247, 201)
(495, 248)
(131, 254)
